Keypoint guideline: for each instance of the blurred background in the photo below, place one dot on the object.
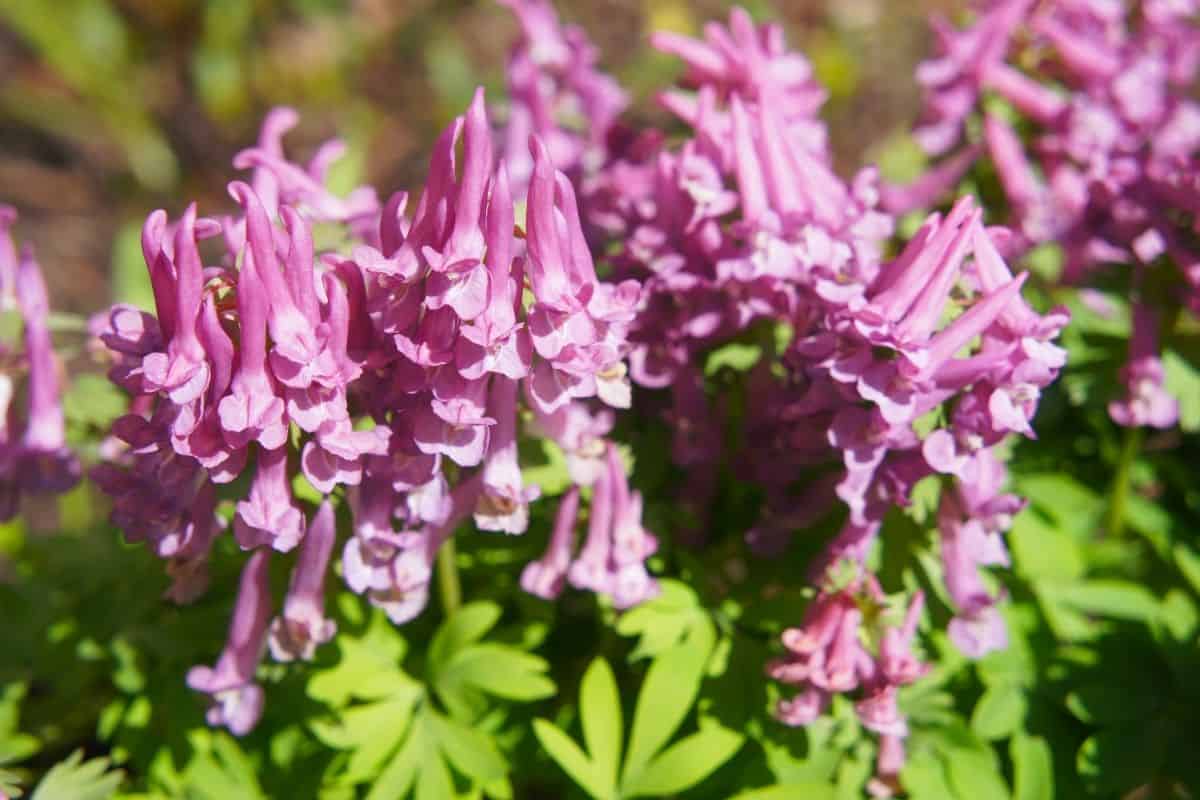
(111, 108)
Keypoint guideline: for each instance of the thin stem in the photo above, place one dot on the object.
(449, 585)
(1119, 494)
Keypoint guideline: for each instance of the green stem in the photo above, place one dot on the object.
(449, 585)
(1119, 494)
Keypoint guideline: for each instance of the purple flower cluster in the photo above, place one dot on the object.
(557, 93)
(1108, 168)
(35, 460)
(826, 655)
(396, 373)
(612, 558)
(897, 370)
(393, 370)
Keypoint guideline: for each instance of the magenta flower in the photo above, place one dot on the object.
(268, 516)
(504, 501)
(556, 91)
(547, 576)
(1146, 401)
(303, 626)
(42, 462)
(182, 371)
(253, 411)
(236, 700)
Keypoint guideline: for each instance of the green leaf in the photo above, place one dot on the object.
(686, 763)
(566, 754)
(470, 752)
(76, 779)
(1180, 616)
(999, 712)
(1183, 382)
(924, 777)
(369, 667)
(371, 732)
(434, 782)
(735, 355)
(14, 745)
(402, 771)
(221, 769)
(10, 783)
(791, 791)
(1070, 504)
(600, 713)
(664, 621)
(1033, 768)
(500, 670)
(467, 626)
(1044, 550)
(1110, 598)
(1152, 521)
(93, 400)
(669, 691)
(975, 776)
(1187, 561)
(1015, 664)
(546, 468)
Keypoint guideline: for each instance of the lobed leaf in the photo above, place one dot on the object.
(566, 754)
(600, 714)
(686, 763)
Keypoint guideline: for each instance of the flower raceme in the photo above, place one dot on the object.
(1086, 112)
(394, 373)
(745, 223)
(397, 375)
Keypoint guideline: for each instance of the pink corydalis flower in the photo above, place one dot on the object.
(1099, 169)
(303, 625)
(268, 516)
(182, 372)
(547, 576)
(612, 559)
(276, 180)
(253, 411)
(577, 325)
(885, 782)
(41, 462)
(967, 545)
(394, 571)
(746, 63)
(1146, 400)
(8, 259)
(558, 93)
(504, 501)
(236, 700)
(829, 654)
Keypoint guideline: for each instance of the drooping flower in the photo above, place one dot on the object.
(303, 625)
(35, 460)
(236, 700)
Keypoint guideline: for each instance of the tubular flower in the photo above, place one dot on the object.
(743, 231)
(557, 93)
(1112, 134)
(400, 371)
(37, 459)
